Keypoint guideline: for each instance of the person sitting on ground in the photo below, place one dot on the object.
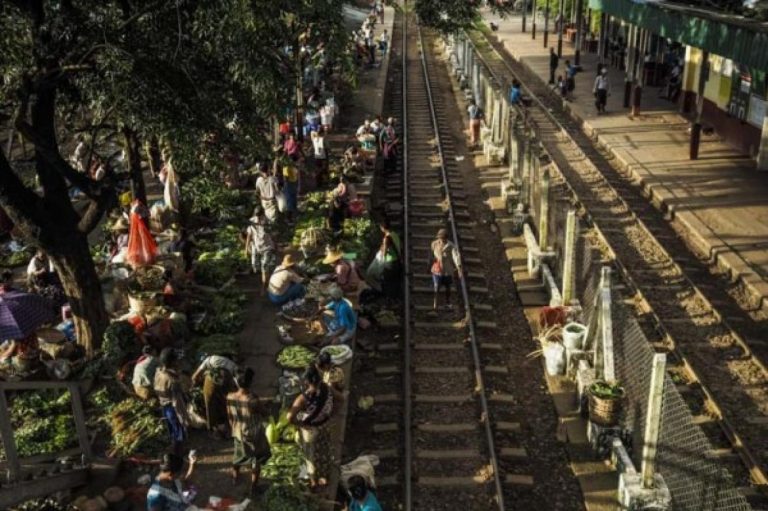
(362, 497)
(217, 373)
(261, 247)
(285, 284)
(167, 490)
(251, 448)
(346, 273)
(311, 412)
(173, 402)
(267, 188)
(144, 373)
(339, 318)
(444, 262)
(40, 271)
(333, 375)
(23, 355)
(353, 160)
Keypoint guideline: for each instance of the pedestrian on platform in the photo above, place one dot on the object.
(173, 402)
(383, 274)
(261, 247)
(554, 61)
(476, 116)
(311, 412)
(570, 78)
(562, 87)
(251, 448)
(601, 90)
(444, 263)
(285, 284)
(384, 42)
(217, 373)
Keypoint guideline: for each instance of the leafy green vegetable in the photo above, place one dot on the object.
(289, 498)
(136, 428)
(284, 464)
(216, 344)
(295, 357)
(120, 343)
(42, 422)
(605, 390)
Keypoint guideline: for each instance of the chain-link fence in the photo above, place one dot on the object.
(696, 481)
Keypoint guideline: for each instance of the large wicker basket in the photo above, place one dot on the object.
(605, 411)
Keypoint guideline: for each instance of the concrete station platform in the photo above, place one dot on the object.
(719, 200)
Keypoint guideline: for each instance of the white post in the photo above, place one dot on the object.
(653, 419)
(606, 326)
(569, 264)
(544, 210)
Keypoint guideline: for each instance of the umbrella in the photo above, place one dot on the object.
(22, 313)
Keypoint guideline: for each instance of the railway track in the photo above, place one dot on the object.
(684, 308)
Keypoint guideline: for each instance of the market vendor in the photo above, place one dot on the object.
(119, 240)
(333, 375)
(217, 373)
(167, 490)
(290, 174)
(353, 160)
(40, 271)
(346, 274)
(362, 497)
(144, 372)
(251, 448)
(173, 402)
(285, 284)
(337, 213)
(23, 355)
(339, 318)
(311, 412)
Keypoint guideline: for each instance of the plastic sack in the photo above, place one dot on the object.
(142, 248)
(282, 203)
(360, 466)
(171, 192)
(356, 208)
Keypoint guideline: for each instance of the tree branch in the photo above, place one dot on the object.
(23, 206)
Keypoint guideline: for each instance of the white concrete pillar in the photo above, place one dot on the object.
(569, 258)
(653, 420)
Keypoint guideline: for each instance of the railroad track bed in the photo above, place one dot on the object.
(683, 309)
(446, 422)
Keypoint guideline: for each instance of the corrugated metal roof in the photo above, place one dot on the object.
(735, 37)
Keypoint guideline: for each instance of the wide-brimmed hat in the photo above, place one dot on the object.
(332, 256)
(121, 224)
(288, 260)
(442, 233)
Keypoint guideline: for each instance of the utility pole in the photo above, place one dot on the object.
(579, 30)
(559, 25)
(546, 24)
(533, 19)
(696, 128)
(525, 9)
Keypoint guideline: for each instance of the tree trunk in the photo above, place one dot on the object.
(154, 156)
(82, 286)
(133, 152)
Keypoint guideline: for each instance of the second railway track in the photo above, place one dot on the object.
(686, 310)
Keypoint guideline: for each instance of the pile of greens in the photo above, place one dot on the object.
(136, 428)
(13, 259)
(284, 464)
(289, 498)
(215, 268)
(223, 313)
(119, 344)
(211, 200)
(42, 422)
(215, 344)
(295, 357)
(605, 390)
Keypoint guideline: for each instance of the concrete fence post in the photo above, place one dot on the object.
(653, 419)
(544, 210)
(569, 263)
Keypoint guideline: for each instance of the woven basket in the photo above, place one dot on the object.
(605, 412)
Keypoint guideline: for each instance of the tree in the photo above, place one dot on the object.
(176, 70)
(450, 16)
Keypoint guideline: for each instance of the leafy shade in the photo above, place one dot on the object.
(449, 16)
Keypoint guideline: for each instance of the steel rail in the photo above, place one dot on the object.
(407, 399)
(480, 385)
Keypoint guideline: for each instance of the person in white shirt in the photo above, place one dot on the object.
(261, 247)
(601, 90)
(267, 188)
(39, 271)
(383, 42)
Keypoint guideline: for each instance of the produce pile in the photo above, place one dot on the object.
(11, 259)
(136, 428)
(42, 422)
(220, 313)
(295, 357)
(289, 498)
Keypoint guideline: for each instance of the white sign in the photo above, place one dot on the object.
(756, 111)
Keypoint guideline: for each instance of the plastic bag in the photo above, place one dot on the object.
(282, 203)
(360, 466)
(142, 248)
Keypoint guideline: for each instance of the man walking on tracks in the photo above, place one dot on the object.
(554, 60)
(444, 262)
